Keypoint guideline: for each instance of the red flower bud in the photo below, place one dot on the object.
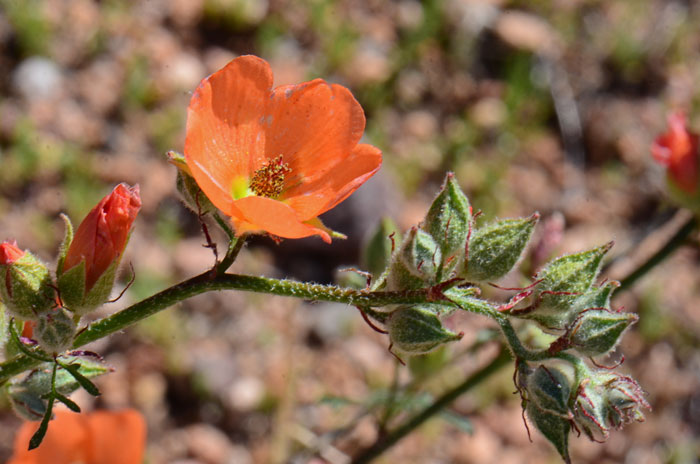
(678, 150)
(9, 253)
(101, 237)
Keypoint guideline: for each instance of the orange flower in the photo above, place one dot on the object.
(101, 437)
(101, 237)
(274, 160)
(9, 253)
(678, 150)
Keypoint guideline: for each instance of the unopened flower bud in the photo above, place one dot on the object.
(549, 388)
(55, 331)
(416, 263)
(448, 221)
(25, 283)
(496, 248)
(554, 428)
(86, 273)
(417, 330)
(564, 282)
(597, 331)
(607, 400)
(677, 149)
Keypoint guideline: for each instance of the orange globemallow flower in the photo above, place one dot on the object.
(678, 150)
(275, 159)
(101, 237)
(101, 437)
(9, 252)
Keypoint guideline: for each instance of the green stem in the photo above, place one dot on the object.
(389, 440)
(234, 247)
(519, 350)
(673, 243)
(206, 282)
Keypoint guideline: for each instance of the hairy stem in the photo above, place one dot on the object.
(389, 440)
(208, 282)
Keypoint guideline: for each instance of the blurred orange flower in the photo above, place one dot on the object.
(102, 236)
(678, 150)
(101, 437)
(275, 159)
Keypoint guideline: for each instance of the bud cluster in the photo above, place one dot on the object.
(85, 273)
(448, 257)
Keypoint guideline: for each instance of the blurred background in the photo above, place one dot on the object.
(535, 105)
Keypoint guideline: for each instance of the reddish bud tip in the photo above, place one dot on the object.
(9, 253)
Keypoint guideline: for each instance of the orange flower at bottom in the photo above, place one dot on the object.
(101, 437)
(275, 159)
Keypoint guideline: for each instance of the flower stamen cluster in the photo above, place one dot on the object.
(268, 180)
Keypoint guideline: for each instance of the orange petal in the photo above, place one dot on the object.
(314, 125)
(251, 214)
(66, 441)
(117, 437)
(224, 132)
(346, 177)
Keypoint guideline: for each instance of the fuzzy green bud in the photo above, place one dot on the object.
(55, 331)
(448, 221)
(554, 428)
(25, 286)
(496, 248)
(415, 330)
(608, 400)
(416, 263)
(566, 288)
(28, 394)
(597, 331)
(549, 388)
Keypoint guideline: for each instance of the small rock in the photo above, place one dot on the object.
(37, 78)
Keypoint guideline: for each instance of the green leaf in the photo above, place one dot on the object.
(68, 402)
(38, 436)
(496, 248)
(73, 370)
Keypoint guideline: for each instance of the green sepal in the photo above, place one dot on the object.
(597, 297)
(554, 428)
(598, 331)
(414, 330)
(496, 248)
(55, 331)
(65, 245)
(416, 263)
(192, 196)
(71, 284)
(376, 255)
(448, 221)
(4, 332)
(549, 388)
(26, 288)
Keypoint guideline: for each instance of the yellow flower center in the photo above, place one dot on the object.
(268, 181)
